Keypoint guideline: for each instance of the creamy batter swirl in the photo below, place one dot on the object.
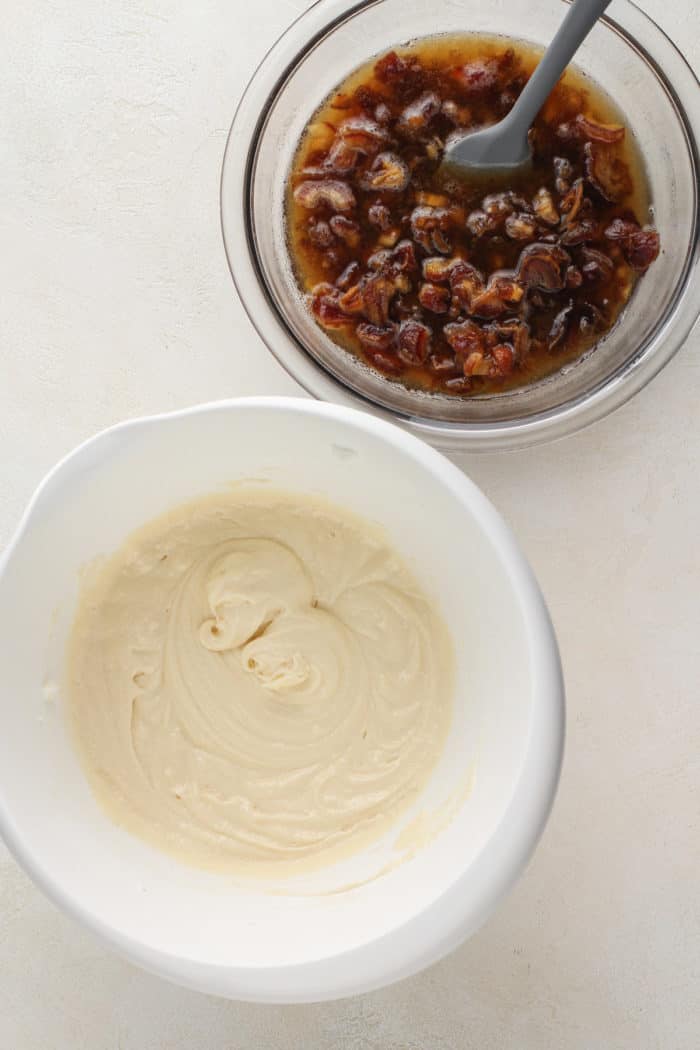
(257, 683)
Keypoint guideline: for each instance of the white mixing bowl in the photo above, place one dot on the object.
(303, 942)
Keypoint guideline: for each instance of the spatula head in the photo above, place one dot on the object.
(494, 149)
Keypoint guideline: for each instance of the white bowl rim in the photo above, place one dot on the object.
(442, 925)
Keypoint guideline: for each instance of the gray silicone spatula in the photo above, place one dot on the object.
(505, 145)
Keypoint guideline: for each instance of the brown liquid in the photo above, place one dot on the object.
(595, 302)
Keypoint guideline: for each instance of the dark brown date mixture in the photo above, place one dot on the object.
(453, 286)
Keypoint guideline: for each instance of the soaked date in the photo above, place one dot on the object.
(455, 286)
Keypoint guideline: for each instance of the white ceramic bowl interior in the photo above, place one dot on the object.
(301, 942)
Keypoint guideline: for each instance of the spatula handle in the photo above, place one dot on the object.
(579, 20)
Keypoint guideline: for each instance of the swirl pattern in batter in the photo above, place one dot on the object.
(258, 683)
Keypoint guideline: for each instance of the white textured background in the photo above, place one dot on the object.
(115, 300)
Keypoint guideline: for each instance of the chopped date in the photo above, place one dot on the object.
(414, 342)
(640, 247)
(379, 260)
(451, 286)
(467, 283)
(500, 294)
(543, 266)
(621, 229)
(560, 327)
(480, 75)
(320, 234)
(503, 358)
(341, 160)
(443, 364)
(326, 308)
(332, 193)
(376, 337)
(465, 338)
(606, 172)
(571, 202)
(437, 269)
(590, 318)
(379, 215)
(376, 296)
(416, 117)
(586, 229)
(352, 301)
(516, 333)
(388, 174)
(499, 205)
(597, 266)
(403, 258)
(430, 227)
(521, 226)
(366, 98)
(477, 364)
(544, 207)
(587, 128)
(573, 277)
(480, 223)
(435, 298)
(563, 173)
(349, 277)
(346, 230)
(362, 135)
(392, 67)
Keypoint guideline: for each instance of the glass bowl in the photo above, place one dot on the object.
(626, 54)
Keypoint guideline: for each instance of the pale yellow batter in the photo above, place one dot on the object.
(257, 683)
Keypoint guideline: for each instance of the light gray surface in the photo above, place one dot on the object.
(116, 301)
